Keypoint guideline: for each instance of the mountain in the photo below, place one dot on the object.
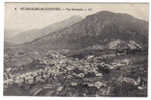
(30, 35)
(99, 28)
(8, 44)
(25, 36)
(9, 33)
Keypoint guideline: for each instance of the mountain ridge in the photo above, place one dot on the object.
(31, 35)
(99, 28)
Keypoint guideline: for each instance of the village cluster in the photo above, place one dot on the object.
(56, 67)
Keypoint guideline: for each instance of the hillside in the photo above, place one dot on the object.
(99, 28)
(30, 35)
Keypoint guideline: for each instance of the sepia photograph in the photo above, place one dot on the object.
(76, 49)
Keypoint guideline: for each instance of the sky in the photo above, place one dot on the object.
(22, 20)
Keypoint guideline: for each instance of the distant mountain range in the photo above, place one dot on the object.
(30, 35)
(98, 32)
(99, 29)
(9, 33)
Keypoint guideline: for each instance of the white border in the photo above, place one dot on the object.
(76, 0)
(65, 98)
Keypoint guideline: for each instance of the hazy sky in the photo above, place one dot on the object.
(21, 20)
